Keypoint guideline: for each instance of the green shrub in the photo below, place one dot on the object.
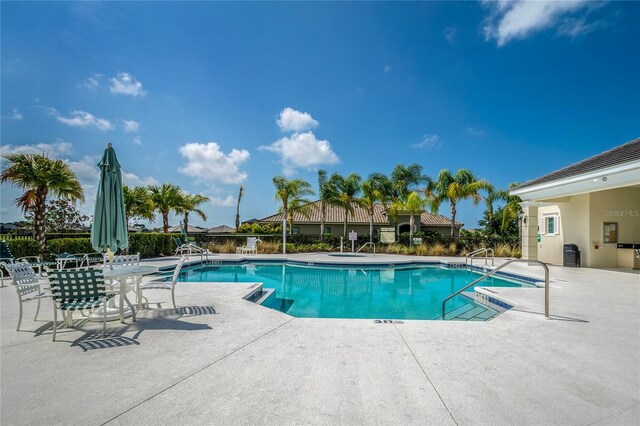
(152, 244)
(70, 245)
(26, 247)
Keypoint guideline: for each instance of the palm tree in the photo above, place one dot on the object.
(289, 192)
(40, 176)
(347, 190)
(328, 195)
(405, 179)
(166, 198)
(240, 194)
(298, 205)
(455, 188)
(138, 203)
(190, 203)
(413, 205)
(371, 196)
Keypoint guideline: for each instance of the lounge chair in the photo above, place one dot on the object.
(27, 286)
(79, 289)
(188, 248)
(166, 285)
(250, 247)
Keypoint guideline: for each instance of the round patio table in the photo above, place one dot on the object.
(122, 274)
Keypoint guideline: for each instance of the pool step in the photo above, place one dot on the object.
(471, 312)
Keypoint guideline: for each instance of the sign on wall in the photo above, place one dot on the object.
(387, 235)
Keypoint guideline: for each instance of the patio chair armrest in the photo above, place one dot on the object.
(38, 258)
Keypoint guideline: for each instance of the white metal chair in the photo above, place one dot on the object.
(251, 246)
(27, 285)
(165, 285)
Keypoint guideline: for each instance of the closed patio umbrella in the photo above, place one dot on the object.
(109, 228)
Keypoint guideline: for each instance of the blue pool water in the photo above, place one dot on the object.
(414, 292)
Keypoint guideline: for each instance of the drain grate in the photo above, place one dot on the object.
(387, 321)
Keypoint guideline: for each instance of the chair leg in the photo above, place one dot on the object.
(173, 296)
(55, 322)
(104, 317)
(37, 311)
(19, 316)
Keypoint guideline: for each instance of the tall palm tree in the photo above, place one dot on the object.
(166, 198)
(453, 188)
(289, 192)
(413, 205)
(348, 189)
(405, 179)
(240, 194)
(328, 195)
(190, 203)
(372, 194)
(298, 205)
(138, 203)
(40, 176)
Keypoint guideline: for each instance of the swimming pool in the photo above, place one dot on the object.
(400, 292)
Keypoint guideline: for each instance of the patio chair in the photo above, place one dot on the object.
(251, 246)
(27, 286)
(166, 285)
(123, 260)
(79, 289)
(8, 257)
(180, 247)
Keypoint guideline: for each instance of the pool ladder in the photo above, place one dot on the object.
(493, 271)
(483, 250)
(368, 244)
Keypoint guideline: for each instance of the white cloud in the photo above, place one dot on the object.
(92, 82)
(126, 84)
(474, 132)
(86, 169)
(302, 150)
(15, 115)
(137, 140)
(450, 33)
(81, 119)
(517, 19)
(291, 120)
(131, 179)
(53, 150)
(428, 141)
(207, 163)
(223, 202)
(130, 126)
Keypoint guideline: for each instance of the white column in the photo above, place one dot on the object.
(529, 230)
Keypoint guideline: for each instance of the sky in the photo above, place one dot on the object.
(211, 96)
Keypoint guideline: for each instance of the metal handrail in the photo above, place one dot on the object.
(366, 244)
(484, 250)
(493, 271)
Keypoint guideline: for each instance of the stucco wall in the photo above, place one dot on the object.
(336, 229)
(616, 205)
(580, 221)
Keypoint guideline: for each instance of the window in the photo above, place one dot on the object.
(550, 225)
(327, 229)
(296, 230)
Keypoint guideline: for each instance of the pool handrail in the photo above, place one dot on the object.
(479, 251)
(366, 244)
(493, 271)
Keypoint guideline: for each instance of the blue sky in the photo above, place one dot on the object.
(213, 95)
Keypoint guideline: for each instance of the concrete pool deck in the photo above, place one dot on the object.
(224, 360)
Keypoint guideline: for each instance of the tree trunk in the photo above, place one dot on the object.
(371, 227)
(284, 229)
(410, 230)
(344, 231)
(238, 214)
(323, 213)
(453, 220)
(186, 223)
(38, 224)
(165, 222)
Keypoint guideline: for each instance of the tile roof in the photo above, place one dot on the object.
(628, 152)
(335, 215)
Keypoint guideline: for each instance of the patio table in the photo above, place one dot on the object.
(122, 273)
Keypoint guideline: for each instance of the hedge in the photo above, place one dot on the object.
(152, 244)
(21, 248)
(69, 245)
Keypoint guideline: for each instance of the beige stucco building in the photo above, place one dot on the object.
(594, 203)
(359, 221)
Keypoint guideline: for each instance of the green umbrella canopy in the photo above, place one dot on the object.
(109, 228)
